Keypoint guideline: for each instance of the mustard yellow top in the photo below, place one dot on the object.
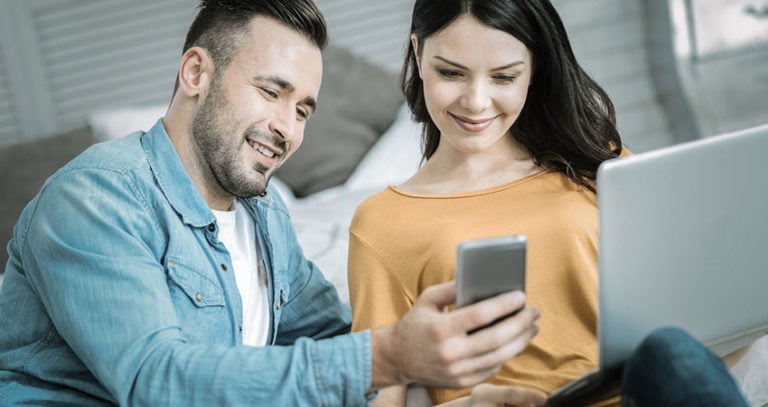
(401, 243)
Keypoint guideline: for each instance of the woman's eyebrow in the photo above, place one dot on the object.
(460, 66)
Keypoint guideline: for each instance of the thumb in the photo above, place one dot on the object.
(438, 296)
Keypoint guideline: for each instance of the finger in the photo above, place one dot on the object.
(514, 395)
(474, 378)
(499, 355)
(508, 330)
(484, 312)
(495, 345)
(438, 296)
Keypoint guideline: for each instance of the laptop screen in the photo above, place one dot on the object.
(684, 242)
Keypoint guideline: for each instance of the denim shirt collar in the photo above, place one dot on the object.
(172, 178)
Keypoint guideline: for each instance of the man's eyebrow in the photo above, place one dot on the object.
(288, 87)
(460, 66)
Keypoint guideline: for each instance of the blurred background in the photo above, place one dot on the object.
(676, 69)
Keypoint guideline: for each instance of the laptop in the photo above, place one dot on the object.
(683, 242)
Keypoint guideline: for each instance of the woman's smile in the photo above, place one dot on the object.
(473, 125)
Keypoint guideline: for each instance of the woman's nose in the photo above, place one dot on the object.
(476, 97)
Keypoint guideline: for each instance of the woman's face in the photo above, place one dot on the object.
(475, 84)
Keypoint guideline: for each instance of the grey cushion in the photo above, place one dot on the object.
(358, 101)
(25, 167)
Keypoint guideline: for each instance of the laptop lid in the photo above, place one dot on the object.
(684, 242)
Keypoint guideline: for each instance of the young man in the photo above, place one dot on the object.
(144, 269)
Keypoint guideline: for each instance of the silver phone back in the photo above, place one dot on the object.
(488, 267)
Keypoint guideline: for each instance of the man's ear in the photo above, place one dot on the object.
(416, 55)
(195, 73)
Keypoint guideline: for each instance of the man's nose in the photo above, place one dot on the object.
(284, 123)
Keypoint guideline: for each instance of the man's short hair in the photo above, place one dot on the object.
(220, 24)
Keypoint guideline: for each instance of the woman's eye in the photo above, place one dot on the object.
(449, 74)
(505, 78)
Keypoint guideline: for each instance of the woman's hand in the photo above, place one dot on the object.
(490, 395)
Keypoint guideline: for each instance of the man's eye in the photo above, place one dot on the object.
(271, 93)
(303, 113)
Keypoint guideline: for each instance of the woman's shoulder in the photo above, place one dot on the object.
(387, 209)
(382, 204)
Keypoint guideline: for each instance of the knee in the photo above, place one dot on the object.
(671, 368)
(673, 351)
(666, 342)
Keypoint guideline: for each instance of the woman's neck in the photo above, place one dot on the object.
(449, 171)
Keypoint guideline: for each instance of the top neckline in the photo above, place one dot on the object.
(471, 193)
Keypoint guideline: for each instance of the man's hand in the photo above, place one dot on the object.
(432, 347)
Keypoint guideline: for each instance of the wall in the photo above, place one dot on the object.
(609, 39)
(65, 58)
(62, 59)
(710, 62)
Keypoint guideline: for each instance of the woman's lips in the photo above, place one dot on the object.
(472, 125)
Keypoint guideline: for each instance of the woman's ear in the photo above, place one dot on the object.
(416, 54)
(195, 73)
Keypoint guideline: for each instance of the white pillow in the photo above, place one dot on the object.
(110, 124)
(394, 158)
(284, 190)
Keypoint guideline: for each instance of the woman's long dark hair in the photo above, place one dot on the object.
(568, 122)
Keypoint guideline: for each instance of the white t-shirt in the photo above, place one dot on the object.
(238, 233)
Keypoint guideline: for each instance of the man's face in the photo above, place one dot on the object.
(254, 115)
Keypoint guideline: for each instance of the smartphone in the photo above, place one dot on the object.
(488, 267)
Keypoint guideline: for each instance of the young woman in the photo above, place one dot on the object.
(514, 131)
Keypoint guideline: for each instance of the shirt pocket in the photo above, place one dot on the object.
(199, 302)
(198, 288)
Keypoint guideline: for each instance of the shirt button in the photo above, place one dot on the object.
(240, 328)
(199, 297)
(223, 266)
(277, 305)
(283, 295)
(171, 263)
(212, 227)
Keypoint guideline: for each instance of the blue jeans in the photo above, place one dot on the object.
(671, 368)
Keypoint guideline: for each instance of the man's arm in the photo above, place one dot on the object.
(106, 293)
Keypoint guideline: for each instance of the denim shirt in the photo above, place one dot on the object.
(117, 291)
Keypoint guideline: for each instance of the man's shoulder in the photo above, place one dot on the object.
(119, 161)
(119, 154)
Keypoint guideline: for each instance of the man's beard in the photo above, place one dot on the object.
(220, 148)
